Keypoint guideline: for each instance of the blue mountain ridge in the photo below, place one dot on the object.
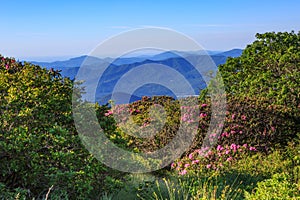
(117, 68)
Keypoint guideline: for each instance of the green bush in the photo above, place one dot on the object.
(39, 145)
(120, 132)
(8, 194)
(262, 84)
(278, 187)
(268, 68)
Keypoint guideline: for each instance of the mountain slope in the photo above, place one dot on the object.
(117, 68)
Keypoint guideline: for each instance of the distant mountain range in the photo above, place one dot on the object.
(120, 66)
(77, 61)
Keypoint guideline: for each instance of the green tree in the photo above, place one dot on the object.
(267, 69)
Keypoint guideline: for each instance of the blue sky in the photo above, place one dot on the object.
(57, 29)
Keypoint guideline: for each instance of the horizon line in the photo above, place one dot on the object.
(57, 58)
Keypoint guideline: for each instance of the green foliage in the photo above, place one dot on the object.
(265, 79)
(39, 146)
(278, 187)
(124, 133)
(18, 193)
(267, 69)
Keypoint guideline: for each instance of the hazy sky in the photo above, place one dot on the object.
(53, 29)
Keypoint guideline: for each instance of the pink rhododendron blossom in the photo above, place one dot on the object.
(243, 117)
(272, 128)
(145, 124)
(225, 134)
(173, 165)
(219, 148)
(208, 166)
(109, 112)
(183, 172)
(227, 151)
(229, 159)
(232, 116)
(195, 161)
(191, 156)
(186, 165)
(233, 146)
(252, 149)
(197, 151)
(202, 115)
(204, 105)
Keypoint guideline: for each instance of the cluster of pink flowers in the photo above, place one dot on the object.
(189, 113)
(207, 158)
(122, 115)
(234, 116)
(109, 112)
(122, 109)
(7, 63)
(192, 113)
(233, 129)
(211, 158)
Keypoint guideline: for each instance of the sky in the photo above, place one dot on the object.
(59, 29)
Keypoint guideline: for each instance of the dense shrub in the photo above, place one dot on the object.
(278, 187)
(262, 125)
(39, 146)
(268, 68)
(123, 132)
(262, 102)
(265, 78)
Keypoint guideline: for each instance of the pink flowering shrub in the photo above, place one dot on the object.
(258, 125)
(9, 64)
(249, 127)
(126, 123)
(211, 159)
